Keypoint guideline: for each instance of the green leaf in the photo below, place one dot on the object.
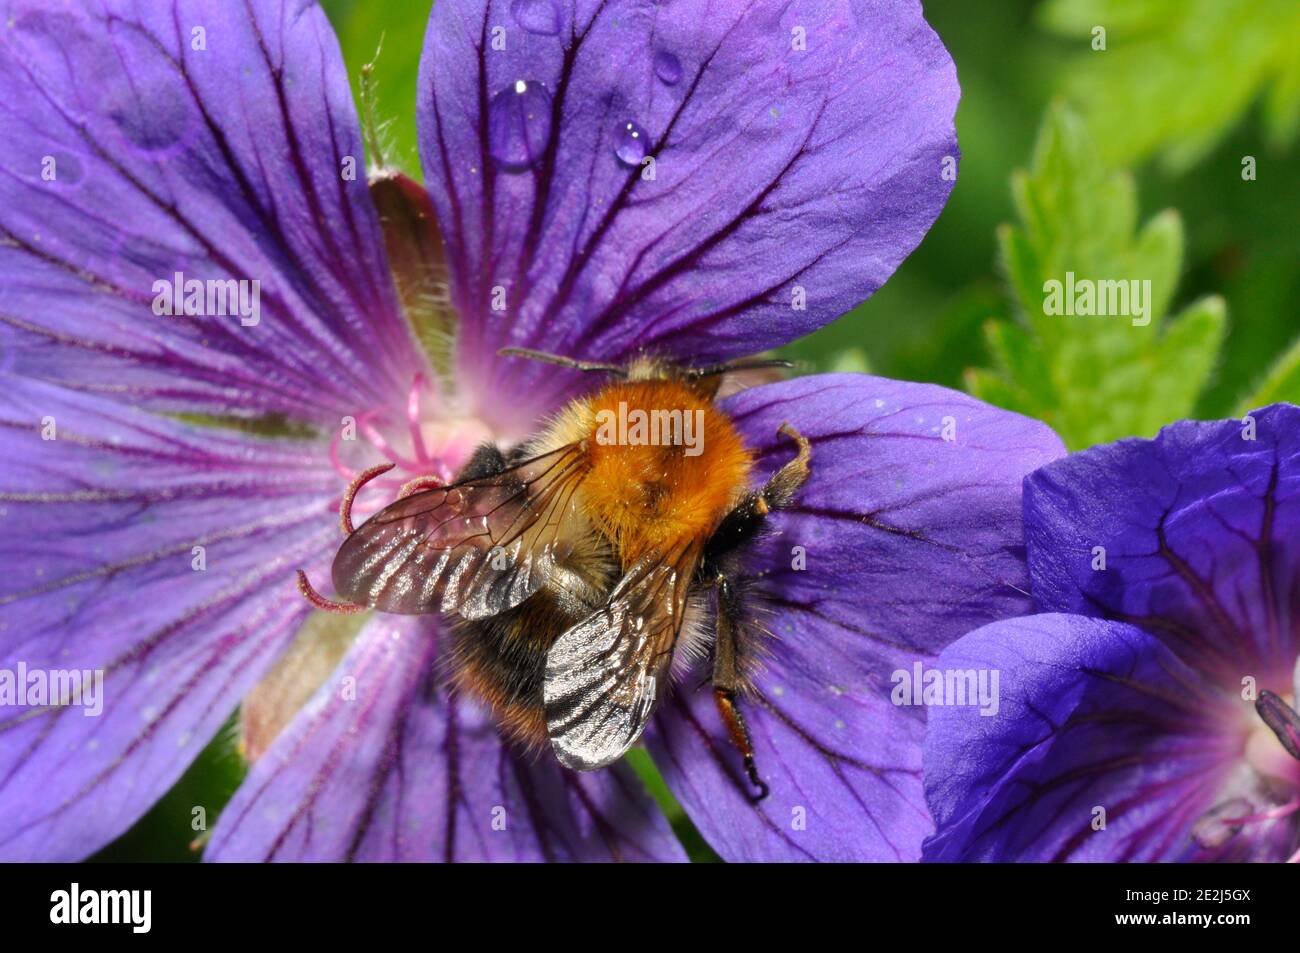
(993, 388)
(1016, 356)
(1119, 368)
(175, 829)
(1184, 361)
(1282, 108)
(852, 361)
(1176, 75)
(1281, 383)
(696, 847)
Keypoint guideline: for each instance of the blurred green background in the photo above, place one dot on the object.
(1133, 145)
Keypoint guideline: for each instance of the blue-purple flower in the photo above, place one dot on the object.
(796, 153)
(1149, 713)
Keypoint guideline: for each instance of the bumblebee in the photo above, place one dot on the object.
(578, 566)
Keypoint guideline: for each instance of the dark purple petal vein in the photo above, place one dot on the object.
(1095, 716)
(1200, 532)
(384, 764)
(98, 534)
(204, 137)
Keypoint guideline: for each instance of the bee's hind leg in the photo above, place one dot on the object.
(727, 681)
(737, 528)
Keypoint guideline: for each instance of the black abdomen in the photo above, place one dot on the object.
(503, 660)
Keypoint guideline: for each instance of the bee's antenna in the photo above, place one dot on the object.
(746, 364)
(561, 360)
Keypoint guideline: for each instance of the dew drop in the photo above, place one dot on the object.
(631, 144)
(668, 68)
(519, 124)
(537, 16)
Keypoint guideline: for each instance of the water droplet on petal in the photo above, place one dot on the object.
(668, 68)
(519, 124)
(631, 143)
(537, 16)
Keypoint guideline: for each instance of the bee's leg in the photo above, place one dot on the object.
(743, 523)
(779, 491)
(737, 528)
(727, 680)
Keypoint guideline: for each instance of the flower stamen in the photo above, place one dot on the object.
(421, 460)
(345, 506)
(418, 484)
(1272, 814)
(382, 445)
(413, 421)
(343, 471)
(320, 602)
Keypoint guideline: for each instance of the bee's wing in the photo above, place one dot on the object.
(475, 548)
(604, 675)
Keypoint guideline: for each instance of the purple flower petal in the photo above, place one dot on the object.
(799, 148)
(207, 138)
(98, 529)
(910, 541)
(1200, 533)
(1097, 722)
(386, 765)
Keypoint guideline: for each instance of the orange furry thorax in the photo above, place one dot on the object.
(650, 498)
(665, 465)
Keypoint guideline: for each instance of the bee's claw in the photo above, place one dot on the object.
(761, 790)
